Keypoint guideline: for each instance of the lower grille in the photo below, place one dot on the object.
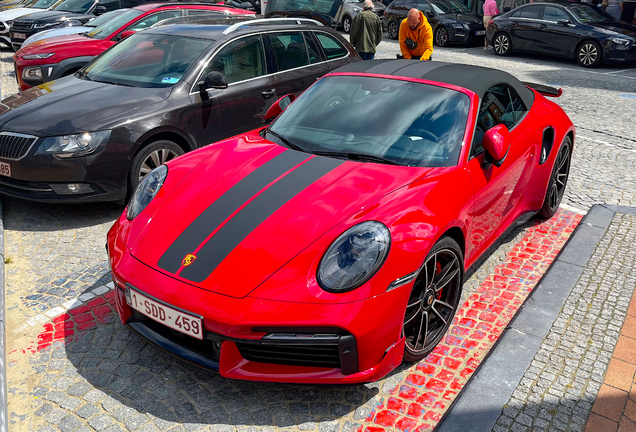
(19, 27)
(292, 355)
(15, 146)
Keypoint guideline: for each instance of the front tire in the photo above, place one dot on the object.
(433, 299)
(150, 157)
(346, 24)
(441, 36)
(393, 30)
(589, 54)
(502, 45)
(558, 181)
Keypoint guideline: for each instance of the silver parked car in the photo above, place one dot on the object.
(351, 8)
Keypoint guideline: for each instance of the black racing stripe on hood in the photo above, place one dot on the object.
(253, 214)
(228, 203)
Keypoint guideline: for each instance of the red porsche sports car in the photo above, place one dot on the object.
(332, 245)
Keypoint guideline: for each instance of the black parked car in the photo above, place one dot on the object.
(574, 30)
(66, 14)
(152, 97)
(452, 21)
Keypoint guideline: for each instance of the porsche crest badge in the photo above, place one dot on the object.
(189, 259)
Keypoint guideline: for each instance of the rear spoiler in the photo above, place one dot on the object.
(544, 89)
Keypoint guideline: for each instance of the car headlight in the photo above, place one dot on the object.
(73, 145)
(44, 25)
(9, 23)
(38, 56)
(621, 44)
(146, 191)
(33, 72)
(354, 257)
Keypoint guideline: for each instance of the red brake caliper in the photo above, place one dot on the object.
(438, 269)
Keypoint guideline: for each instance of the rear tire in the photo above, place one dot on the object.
(502, 44)
(393, 30)
(433, 299)
(148, 158)
(346, 24)
(558, 181)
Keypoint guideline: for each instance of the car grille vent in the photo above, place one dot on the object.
(15, 146)
(292, 355)
(18, 27)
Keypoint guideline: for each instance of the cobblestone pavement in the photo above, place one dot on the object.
(564, 378)
(111, 380)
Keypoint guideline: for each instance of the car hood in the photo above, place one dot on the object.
(63, 106)
(51, 16)
(621, 27)
(47, 34)
(250, 207)
(75, 43)
(11, 14)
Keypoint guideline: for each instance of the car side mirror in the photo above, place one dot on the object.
(278, 107)
(126, 33)
(100, 10)
(563, 22)
(213, 80)
(430, 14)
(496, 142)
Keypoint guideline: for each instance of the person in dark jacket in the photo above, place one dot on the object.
(366, 31)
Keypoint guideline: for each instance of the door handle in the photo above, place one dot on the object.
(543, 26)
(268, 93)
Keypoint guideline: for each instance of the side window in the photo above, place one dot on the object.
(397, 4)
(500, 105)
(554, 14)
(331, 47)
(424, 6)
(315, 55)
(131, 3)
(110, 5)
(153, 19)
(410, 4)
(533, 12)
(240, 60)
(516, 14)
(289, 49)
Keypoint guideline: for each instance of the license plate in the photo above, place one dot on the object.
(5, 169)
(19, 35)
(176, 320)
(480, 32)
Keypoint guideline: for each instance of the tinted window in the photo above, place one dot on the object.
(75, 6)
(516, 14)
(322, 6)
(423, 125)
(289, 50)
(554, 14)
(240, 60)
(147, 60)
(531, 12)
(410, 4)
(424, 7)
(330, 46)
(110, 5)
(152, 19)
(96, 22)
(131, 3)
(500, 105)
(587, 13)
(315, 54)
(109, 27)
(397, 3)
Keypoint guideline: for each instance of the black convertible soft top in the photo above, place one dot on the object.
(475, 78)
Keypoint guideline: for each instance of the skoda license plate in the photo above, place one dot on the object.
(5, 169)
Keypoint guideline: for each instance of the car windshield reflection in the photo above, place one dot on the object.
(449, 7)
(587, 13)
(401, 122)
(147, 60)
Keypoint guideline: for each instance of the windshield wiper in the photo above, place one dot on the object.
(288, 143)
(358, 157)
(83, 75)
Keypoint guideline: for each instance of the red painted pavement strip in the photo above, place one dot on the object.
(420, 400)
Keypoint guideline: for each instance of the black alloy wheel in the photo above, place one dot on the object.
(346, 24)
(150, 157)
(433, 300)
(502, 44)
(589, 54)
(393, 30)
(558, 181)
(441, 36)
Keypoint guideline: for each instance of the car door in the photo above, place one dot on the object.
(557, 37)
(526, 27)
(335, 53)
(498, 190)
(294, 71)
(221, 113)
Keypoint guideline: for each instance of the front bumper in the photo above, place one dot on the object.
(50, 72)
(43, 178)
(368, 345)
(466, 36)
(619, 56)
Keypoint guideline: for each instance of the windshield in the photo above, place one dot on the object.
(449, 7)
(586, 13)
(327, 7)
(96, 22)
(112, 25)
(422, 125)
(42, 4)
(75, 6)
(146, 60)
